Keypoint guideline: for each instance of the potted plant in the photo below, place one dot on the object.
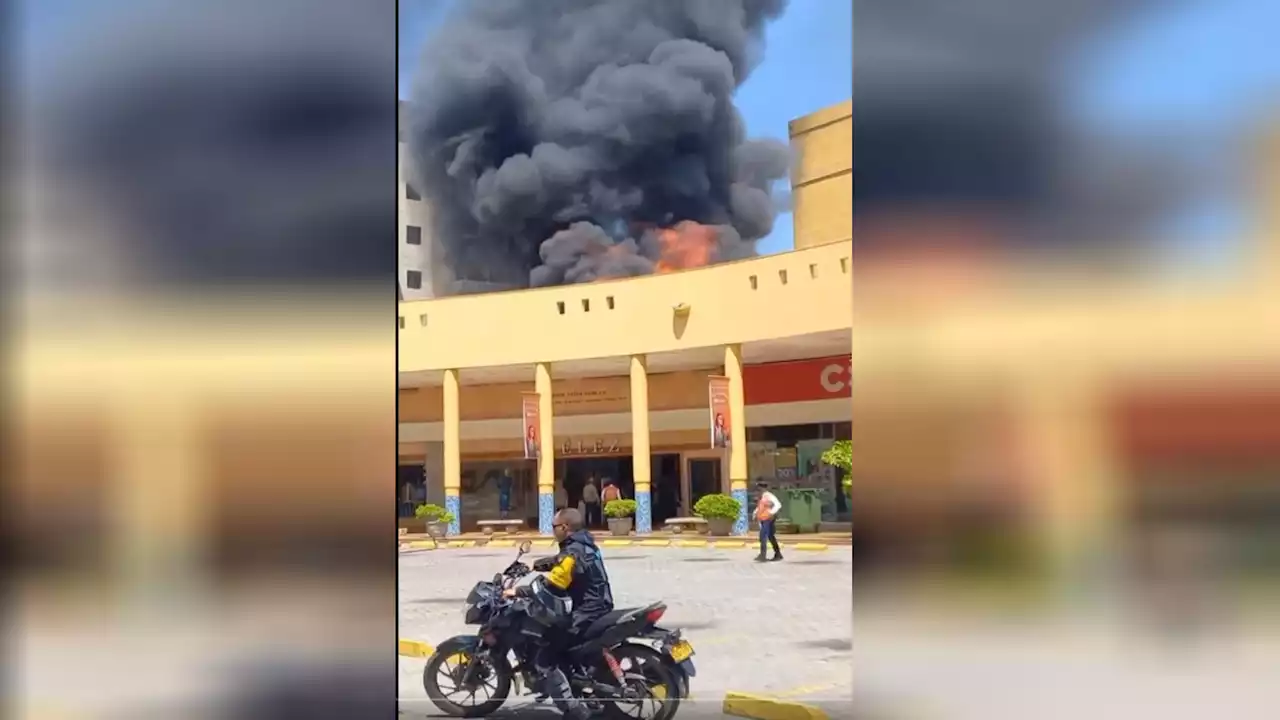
(437, 519)
(619, 513)
(720, 511)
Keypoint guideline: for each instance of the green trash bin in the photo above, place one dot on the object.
(803, 507)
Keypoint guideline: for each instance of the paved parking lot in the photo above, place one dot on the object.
(780, 629)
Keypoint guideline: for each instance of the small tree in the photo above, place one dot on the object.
(840, 455)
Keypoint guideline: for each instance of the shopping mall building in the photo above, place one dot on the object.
(621, 371)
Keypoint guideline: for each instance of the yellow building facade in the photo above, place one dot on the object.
(822, 176)
(639, 349)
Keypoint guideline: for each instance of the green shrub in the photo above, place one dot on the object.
(620, 508)
(840, 455)
(717, 505)
(433, 513)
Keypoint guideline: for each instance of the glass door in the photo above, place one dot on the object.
(704, 479)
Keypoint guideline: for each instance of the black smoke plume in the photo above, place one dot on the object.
(551, 139)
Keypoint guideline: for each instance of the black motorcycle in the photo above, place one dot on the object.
(622, 664)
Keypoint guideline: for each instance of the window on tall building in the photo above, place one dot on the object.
(410, 193)
(413, 235)
(413, 279)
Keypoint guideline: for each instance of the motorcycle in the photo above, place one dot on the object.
(620, 662)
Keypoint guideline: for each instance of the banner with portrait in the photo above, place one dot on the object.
(532, 426)
(718, 400)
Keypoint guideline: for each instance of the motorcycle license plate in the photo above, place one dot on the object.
(681, 651)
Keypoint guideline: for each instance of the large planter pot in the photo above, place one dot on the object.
(437, 529)
(620, 527)
(719, 527)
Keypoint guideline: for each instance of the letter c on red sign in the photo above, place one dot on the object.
(831, 378)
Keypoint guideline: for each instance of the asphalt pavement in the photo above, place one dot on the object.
(778, 629)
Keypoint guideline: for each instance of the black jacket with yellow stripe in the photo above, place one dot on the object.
(579, 573)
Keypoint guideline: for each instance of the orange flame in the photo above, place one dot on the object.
(687, 245)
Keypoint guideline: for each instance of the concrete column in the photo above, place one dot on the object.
(1077, 487)
(737, 434)
(433, 469)
(547, 454)
(640, 469)
(452, 451)
(159, 482)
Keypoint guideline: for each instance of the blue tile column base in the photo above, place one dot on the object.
(546, 511)
(740, 525)
(453, 504)
(644, 513)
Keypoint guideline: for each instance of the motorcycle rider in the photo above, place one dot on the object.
(577, 571)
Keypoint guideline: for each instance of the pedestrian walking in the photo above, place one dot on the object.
(767, 509)
(591, 503)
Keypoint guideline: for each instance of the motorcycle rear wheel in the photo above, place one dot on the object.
(499, 667)
(656, 674)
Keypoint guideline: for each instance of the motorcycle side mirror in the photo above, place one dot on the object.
(525, 547)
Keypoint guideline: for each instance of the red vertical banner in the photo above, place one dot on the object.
(532, 426)
(718, 400)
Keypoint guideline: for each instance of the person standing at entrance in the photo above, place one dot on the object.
(611, 492)
(504, 494)
(767, 509)
(591, 502)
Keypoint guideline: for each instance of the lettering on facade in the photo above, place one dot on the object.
(599, 447)
(585, 397)
(835, 377)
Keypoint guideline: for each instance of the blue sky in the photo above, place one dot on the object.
(1207, 75)
(1207, 66)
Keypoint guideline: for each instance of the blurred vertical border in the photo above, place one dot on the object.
(200, 417)
(1066, 447)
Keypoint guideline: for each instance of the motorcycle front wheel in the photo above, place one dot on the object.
(489, 675)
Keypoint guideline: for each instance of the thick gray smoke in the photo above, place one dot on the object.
(553, 139)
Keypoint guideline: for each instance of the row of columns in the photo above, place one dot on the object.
(640, 443)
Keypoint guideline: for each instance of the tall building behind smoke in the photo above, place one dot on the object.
(415, 278)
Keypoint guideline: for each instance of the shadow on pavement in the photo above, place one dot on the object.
(842, 644)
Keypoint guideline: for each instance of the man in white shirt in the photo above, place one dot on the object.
(767, 509)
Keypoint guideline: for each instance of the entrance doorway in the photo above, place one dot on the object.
(664, 491)
(704, 478)
(572, 474)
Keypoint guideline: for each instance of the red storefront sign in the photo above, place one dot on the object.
(1224, 424)
(797, 380)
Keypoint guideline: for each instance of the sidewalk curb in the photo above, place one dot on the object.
(760, 707)
(415, 648)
